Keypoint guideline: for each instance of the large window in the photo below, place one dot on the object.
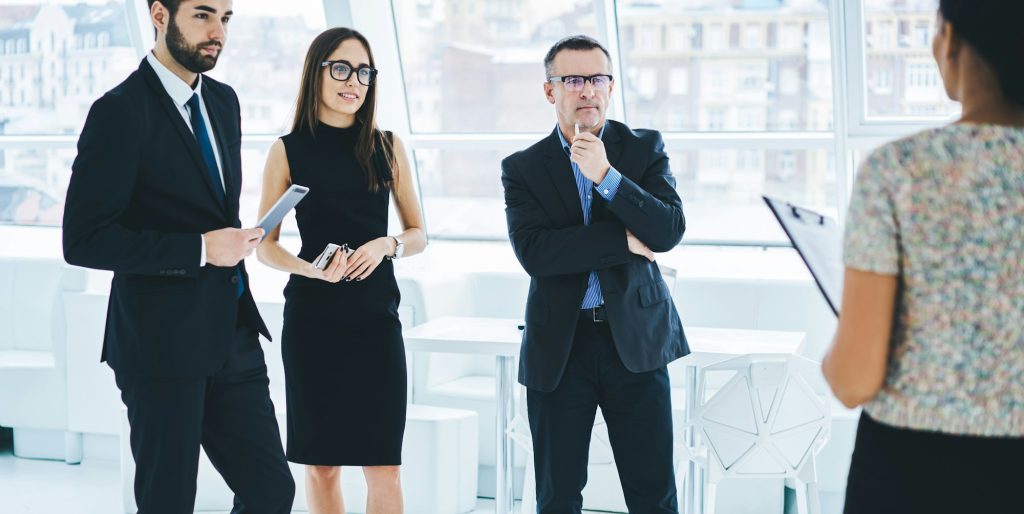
(57, 58)
(752, 96)
(760, 68)
(473, 66)
(721, 189)
(903, 78)
(267, 43)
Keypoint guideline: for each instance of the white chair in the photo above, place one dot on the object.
(766, 421)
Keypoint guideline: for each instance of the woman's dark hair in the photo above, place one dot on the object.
(307, 108)
(992, 29)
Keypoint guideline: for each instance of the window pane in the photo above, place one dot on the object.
(55, 60)
(902, 77)
(462, 193)
(263, 59)
(721, 190)
(472, 66)
(33, 183)
(745, 66)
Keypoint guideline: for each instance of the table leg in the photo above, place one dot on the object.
(504, 493)
(694, 483)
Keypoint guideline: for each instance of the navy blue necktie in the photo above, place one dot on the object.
(205, 146)
(206, 149)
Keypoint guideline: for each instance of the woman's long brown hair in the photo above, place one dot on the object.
(307, 107)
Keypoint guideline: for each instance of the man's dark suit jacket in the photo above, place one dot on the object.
(545, 225)
(139, 199)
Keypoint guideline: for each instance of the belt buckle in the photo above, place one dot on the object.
(593, 315)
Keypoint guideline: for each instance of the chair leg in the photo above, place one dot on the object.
(813, 499)
(681, 479)
(710, 498)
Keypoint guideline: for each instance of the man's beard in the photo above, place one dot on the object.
(187, 55)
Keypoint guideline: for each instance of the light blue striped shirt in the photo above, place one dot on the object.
(607, 189)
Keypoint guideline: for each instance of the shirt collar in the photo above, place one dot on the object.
(179, 91)
(565, 144)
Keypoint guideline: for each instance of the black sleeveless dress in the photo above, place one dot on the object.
(342, 347)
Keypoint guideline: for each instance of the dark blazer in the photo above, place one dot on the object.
(545, 225)
(139, 199)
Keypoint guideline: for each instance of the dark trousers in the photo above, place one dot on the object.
(902, 471)
(638, 412)
(229, 414)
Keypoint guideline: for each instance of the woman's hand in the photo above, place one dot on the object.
(367, 257)
(334, 271)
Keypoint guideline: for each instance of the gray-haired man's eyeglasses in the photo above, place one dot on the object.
(576, 82)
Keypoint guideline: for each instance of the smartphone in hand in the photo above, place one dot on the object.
(325, 257)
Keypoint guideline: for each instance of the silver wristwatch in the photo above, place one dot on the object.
(399, 248)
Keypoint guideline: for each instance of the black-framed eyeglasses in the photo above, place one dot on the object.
(342, 70)
(576, 82)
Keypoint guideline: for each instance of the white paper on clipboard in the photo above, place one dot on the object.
(819, 241)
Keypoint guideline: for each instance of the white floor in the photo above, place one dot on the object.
(93, 487)
(49, 487)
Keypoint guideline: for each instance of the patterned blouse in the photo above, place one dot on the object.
(944, 210)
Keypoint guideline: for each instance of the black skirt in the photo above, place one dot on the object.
(902, 471)
(345, 374)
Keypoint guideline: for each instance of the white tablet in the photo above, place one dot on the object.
(287, 202)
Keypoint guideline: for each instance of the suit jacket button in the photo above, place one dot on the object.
(641, 204)
(234, 279)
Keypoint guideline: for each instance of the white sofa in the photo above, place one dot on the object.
(33, 358)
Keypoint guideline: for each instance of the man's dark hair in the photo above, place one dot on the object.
(171, 5)
(991, 28)
(577, 42)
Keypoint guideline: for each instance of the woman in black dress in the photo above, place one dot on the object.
(344, 358)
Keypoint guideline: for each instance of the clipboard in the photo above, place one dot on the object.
(819, 242)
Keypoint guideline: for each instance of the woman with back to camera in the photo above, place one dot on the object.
(931, 334)
(344, 358)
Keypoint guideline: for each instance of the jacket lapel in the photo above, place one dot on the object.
(559, 169)
(184, 132)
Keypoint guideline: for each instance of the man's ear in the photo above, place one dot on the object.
(159, 16)
(549, 92)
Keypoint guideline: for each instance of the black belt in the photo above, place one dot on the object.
(594, 314)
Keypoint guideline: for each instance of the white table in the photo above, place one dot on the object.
(487, 336)
(501, 338)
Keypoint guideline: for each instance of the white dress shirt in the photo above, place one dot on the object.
(180, 94)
